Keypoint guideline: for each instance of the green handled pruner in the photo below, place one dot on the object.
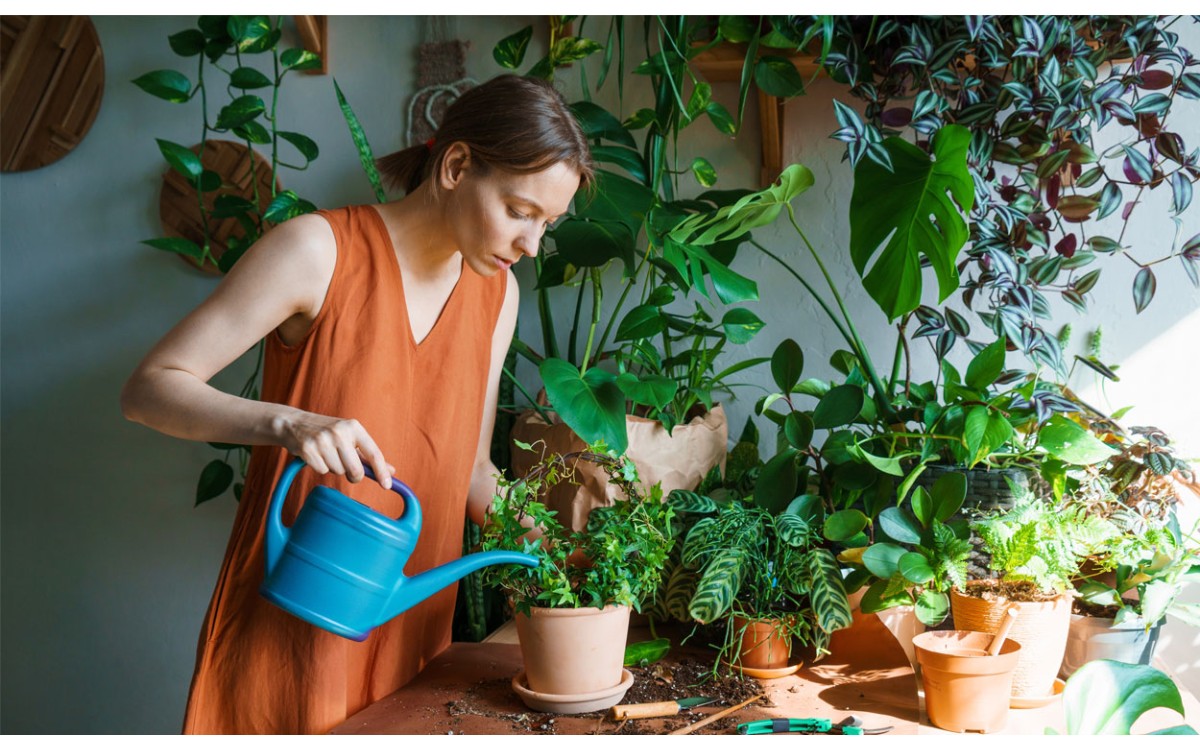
(850, 725)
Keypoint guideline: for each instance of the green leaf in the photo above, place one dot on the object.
(932, 607)
(617, 199)
(300, 59)
(798, 429)
(913, 205)
(509, 52)
(684, 501)
(1107, 697)
(649, 390)
(985, 430)
(248, 78)
(900, 525)
(570, 48)
(827, 595)
(592, 405)
(1069, 442)
(787, 363)
(720, 118)
(182, 159)
(922, 505)
(591, 244)
(750, 211)
(305, 145)
(986, 366)
(839, 407)
(883, 560)
(777, 76)
(719, 584)
(646, 652)
(214, 479)
(641, 322)
(793, 530)
(876, 599)
(915, 567)
(705, 174)
(254, 132)
(844, 524)
(166, 84)
(776, 482)
(365, 156)
(240, 111)
(598, 122)
(626, 158)
(948, 494)
(187, 43)
(741, 325)
(176, 245)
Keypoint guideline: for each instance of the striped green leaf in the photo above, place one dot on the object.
(684, 501)
(719, 584)
(828, 597)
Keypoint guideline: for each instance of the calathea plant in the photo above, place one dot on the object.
(226, 47)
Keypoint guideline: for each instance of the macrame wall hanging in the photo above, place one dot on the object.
(441, 77)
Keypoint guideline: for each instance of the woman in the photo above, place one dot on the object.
(386, 329)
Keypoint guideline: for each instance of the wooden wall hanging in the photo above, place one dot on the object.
(314, 37)
(179, 210)
(51, 84)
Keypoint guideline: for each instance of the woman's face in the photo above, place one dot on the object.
(498, 217)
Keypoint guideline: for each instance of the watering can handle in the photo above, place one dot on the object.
(277, 533)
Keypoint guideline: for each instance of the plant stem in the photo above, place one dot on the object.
(597, 294)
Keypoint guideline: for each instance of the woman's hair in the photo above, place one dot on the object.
(511, 123)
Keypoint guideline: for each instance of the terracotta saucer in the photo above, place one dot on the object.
(572, 704)
(767, 674)
(1022, 701)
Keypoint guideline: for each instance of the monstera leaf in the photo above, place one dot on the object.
(1107, 697)
(913, 209)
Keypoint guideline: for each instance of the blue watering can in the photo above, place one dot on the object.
(341, 564)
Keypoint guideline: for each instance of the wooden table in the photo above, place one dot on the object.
(466, 690)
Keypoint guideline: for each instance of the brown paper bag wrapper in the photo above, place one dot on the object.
(679, 460)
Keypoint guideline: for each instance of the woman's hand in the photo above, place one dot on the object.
(332, 445)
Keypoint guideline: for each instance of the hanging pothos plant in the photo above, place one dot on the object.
(228, 47)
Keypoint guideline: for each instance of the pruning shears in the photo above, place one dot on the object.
(851, 725)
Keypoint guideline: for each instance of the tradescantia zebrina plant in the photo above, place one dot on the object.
(231, 50)
(1073, 120)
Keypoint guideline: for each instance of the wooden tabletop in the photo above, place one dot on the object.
(466, 690)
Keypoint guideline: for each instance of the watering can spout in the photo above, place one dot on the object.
(412, 591)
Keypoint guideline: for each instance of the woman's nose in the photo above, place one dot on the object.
(528, 243)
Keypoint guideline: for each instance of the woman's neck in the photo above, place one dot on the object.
(417, 225)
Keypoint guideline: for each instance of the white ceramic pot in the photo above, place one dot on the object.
(1091, 638)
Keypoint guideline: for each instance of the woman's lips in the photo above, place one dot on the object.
(503, 263)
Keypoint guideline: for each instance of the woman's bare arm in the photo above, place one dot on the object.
(280, 281)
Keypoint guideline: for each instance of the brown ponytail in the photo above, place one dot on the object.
(511, 123)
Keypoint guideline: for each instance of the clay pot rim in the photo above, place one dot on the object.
(1001, 600)
(575, 611)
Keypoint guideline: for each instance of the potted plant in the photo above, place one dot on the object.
(1134, 580)
(1036, 550)
(573, 615)
(767, 579)
(639, 373)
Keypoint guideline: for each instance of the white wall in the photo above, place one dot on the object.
(107, 567)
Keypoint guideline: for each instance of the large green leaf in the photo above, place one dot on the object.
(787, 363)
(911, 204)
(680, 589)
(592, 404)
(838, 407)
(1069, 442)
(985, 430)
(827, 595)
(615, 198)
(170, 85)
(181, 158)
(883, 559)
(365, 155)
(900, 525)
(650, 390)
(915, 567)
(986, 366)
(741, 325)
(1107, 697)
(719, 584)
(586, 244)
(777, 482)
(845, 524)
(509, 52)
(598, 122)
(932, 607)
(752, 210)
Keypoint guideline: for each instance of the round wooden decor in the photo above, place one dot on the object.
(179, 210)
(51, 84)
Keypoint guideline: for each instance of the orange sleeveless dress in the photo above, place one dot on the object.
(262, 670)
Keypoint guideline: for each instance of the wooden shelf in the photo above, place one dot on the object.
(723, 64)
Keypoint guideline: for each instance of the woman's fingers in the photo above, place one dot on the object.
(374, 457)
(340, 446)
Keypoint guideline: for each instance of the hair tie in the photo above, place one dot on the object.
(429, 144)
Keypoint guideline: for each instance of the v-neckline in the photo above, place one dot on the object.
(391, 247)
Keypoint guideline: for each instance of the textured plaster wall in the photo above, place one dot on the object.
(107, 567)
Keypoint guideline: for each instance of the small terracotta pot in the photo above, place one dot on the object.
(965, 689)
(1041, 627)
(764, 644)
(573, 651)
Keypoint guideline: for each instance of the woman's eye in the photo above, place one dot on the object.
(516, 214)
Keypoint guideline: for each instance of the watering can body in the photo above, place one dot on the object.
(341, 564)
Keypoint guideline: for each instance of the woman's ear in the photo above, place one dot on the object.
(455, 162)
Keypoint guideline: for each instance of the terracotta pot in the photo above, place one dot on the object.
(679, 461)
(1091, 638)
(1041, 628)
(571, 652)
(965, 689)
(764, 644)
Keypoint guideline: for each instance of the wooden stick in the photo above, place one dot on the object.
(719, 715)
(1002, 633)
